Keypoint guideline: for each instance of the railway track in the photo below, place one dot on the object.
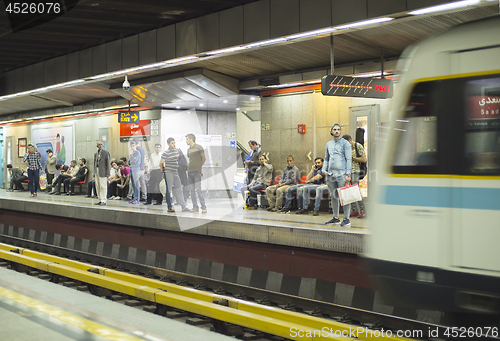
(243, 312)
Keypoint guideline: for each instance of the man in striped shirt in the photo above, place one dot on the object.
(170, 164)
(32, 159)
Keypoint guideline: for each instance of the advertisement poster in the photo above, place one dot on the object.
(59, 139)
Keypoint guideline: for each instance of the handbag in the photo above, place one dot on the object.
(349, 194)
(42, 182)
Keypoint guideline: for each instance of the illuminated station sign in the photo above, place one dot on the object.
(356, 87)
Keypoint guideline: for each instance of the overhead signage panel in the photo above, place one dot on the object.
(356, 87)
(128, 117)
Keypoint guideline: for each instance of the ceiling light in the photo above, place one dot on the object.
(284, 85)
(314, 81)
(230, 49)
(445, 7)
(201, 104)
(177, 107)
(252, 98)
(237, 108)
(371, 74)
(364, 23)
(225, 101)
(267, 42)
(311, 33)
(182, 59)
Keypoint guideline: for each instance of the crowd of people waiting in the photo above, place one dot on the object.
(343, 158)
(122, 180)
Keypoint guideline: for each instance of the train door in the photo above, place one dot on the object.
(363, 121)
(477, 190)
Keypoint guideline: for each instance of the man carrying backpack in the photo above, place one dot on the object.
(358, 172)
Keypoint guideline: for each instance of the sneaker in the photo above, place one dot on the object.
(103, 204)
(194, 210)
(362, 215)
(87, 196)
(171, 210)
(203, 210)
(316, 213)
(284, 210)
(270, 208)
(146, 203)
(276, 209)
(185, 209)
(97, 203)
(345, 223)
(301, 211)
(57, 193)
(333, 221)
(353, 214)
(135, 202)
(158, 203)
(117, 198)
(251, 207)
(10, 190)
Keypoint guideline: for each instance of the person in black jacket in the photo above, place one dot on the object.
(253, 162)
(80, 176)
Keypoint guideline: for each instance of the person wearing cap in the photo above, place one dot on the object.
(337, 169)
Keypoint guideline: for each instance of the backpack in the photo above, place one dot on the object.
(362, 165)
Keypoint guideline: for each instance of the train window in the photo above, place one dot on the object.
(482, 126)
(416, 151)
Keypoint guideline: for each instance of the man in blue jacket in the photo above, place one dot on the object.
(337, 169)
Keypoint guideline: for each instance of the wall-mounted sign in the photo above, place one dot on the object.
(140, 131)
(128, 117)
(301, 128)
(356, 87)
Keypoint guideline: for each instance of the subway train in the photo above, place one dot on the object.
(435, 218)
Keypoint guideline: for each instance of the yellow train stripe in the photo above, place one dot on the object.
(67, 318)
(459, 75)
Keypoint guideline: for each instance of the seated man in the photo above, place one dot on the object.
(114, 180)
(78, 177)
(15, 174)
(91, 191)
(123, 187)
(291, 176)
(262, 179)
(314, 180)
(71, 172)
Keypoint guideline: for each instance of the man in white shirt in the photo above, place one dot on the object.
(155, 177)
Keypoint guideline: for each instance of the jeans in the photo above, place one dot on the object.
(33, 180)
(174, 182)
(91, 188)
(134, 179)
(304, 198)
(360, 204)
(194, 179)
(334, 183)
(254, 192)
(289, 194)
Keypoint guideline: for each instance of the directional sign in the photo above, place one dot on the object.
(356, 87)
(128, 117)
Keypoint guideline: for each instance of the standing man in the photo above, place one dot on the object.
(170, 165)
(32, 160)
(196, 155)
(50, 166)
(253, 162)
(337, 169)
(155, 177)
(135, 170)
(358, 156)
(143, 193)
(101, 173)
(291, 176)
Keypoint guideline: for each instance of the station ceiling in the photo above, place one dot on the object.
(113, 19)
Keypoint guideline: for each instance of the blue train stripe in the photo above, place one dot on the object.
(446, 197)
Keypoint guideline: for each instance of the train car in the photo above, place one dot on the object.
(435, 222)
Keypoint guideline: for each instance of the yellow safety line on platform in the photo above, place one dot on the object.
(67, 318)
(272, 320)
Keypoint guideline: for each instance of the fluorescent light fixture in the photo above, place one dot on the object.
(177, 107)
(252, 98)
(364, 23)
(145, 67)
(237, 108)
(225, 101)
(267, 42)
(111, 74)
(314, 81)
(201, 104)
(230, 49)
(371, 74)
(445, 7)
(285, 85)
(312, 33)
(182, 59)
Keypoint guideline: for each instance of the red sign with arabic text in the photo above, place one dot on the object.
(142, 128)
(484, 107)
